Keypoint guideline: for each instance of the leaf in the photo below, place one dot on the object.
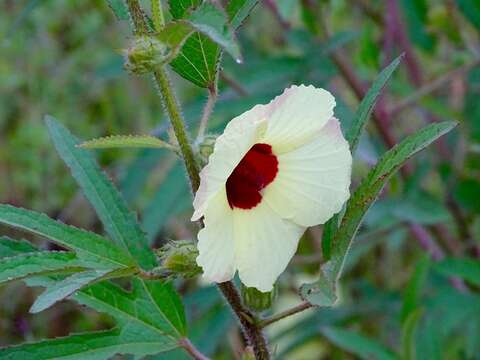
(179, 8)
(37, 263)
(368, 103)
(126, 141)
(200, 55)
(10, 247)
(111, 208)
(119, 8)
(471, 10)
(238, 11)
(408, 334)
(414, 287)
(64, 288)
(363, 347)
(92, 249)
(467, 269)
(99, 345)
(417, 23)
(353, 137)
(323, 292)
(152, 305)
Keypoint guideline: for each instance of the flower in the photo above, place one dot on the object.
(276, 170)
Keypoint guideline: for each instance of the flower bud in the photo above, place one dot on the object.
(205, 148)
(256, 300)
(145, 54)
(178, 258)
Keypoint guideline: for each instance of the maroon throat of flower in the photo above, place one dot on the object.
(256, 170)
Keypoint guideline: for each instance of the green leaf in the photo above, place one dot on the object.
(92, 346)
(66, 287)
(414, 287)
(323, 292)
(10, 247)
(467, 269)
(119, 8)
(126, 141)
(180, 8)
(92, 249)
(363, 347)
(368, 103)
(200, 55)
(151, 304)
(119, 222)
(471, 10)
(416, 21)
(408, 334)
(37, 263)
(353, 137)
(238, 11)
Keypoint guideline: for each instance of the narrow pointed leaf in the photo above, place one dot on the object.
(99, 345)
(238, 11)
(119, 222)
(92, 249)
(126, 141)
(119, 8)
(66, 287)
(323, 292)
(353, 136)
(10, 247)
(37, 263)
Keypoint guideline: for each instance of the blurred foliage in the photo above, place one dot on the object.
(63, 58)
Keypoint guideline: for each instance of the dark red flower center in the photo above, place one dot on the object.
(256, 170)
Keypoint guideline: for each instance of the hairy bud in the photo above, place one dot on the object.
(178, 259)
(205, 148)
(145, 54)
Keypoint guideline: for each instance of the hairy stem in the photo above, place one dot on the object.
(207, 111)
(252, 332)
(157, 14)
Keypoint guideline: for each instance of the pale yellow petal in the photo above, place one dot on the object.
(216, 242)
(296, 116)
(264, 245)
(239, 136)
(313, 181)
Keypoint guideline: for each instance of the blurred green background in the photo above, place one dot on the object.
(64, 58)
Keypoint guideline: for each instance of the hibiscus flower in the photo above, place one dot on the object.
(276, 170)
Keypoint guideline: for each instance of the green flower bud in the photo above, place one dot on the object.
(256, 300)
(145, 54)
(178, 258)
(205, 148)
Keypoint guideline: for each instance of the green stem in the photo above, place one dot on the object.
(157, 14)
(171, 106)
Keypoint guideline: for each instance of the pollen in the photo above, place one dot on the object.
(256, 170)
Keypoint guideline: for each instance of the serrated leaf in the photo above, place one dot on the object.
(180, 8)
(119, 8)
(199, 58)
(323, 292)
(362, 115)
(10, 247)
(66, 287)
(98, 345)
(119, 222)
(37, 263)
(357, 344)
(238, 11)
(467, 269)
(126, 141)
(94, 250)
(151, 304)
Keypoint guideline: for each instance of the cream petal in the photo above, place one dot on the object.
(264, 245)
(296, 116)
(216, 242)
(239, 136)
(313, 181)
